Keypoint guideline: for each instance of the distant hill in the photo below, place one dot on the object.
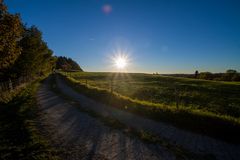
(66, 63)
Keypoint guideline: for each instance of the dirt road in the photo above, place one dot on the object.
(81, 136)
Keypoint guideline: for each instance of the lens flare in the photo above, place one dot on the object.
(120, 62)
(107, 9)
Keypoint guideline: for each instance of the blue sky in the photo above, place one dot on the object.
(165, 36)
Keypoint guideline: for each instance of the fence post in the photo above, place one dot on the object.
(5, 87)
(111, 85)
(10, 85)
(176, 97)
(86, 82)
(1, 88)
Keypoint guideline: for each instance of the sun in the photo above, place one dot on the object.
(120, 62)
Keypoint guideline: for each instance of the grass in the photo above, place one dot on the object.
(19, 135)
(7, 96)
(222, 125)
(217, 97)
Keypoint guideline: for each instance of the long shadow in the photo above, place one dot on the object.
(91, 134)
(76, 126)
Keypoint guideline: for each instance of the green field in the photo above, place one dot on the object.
(207, 107)
(222, 98)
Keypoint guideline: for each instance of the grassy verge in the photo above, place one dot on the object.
(145, 136)
(7, 96)
(218, 126)
(19, 136)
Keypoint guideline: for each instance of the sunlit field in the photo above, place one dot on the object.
(217, 97)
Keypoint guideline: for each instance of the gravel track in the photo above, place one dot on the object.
(81, 136)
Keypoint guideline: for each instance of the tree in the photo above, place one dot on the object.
(65, 63)
(22, 50)
(228, 76)
(11, 30)
(231, 71)
(196, 73)
(3, 8)
(36, 57)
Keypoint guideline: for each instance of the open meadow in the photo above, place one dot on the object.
(222, 98)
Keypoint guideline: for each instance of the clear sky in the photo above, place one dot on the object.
(165, 36)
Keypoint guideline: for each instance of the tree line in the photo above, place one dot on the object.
(23, 52)
(229, 75)
(65, 63)
(22, 49)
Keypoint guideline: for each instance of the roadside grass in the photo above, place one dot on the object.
(145, 136)
(19, 136)
(7, 96)
(219, 126)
